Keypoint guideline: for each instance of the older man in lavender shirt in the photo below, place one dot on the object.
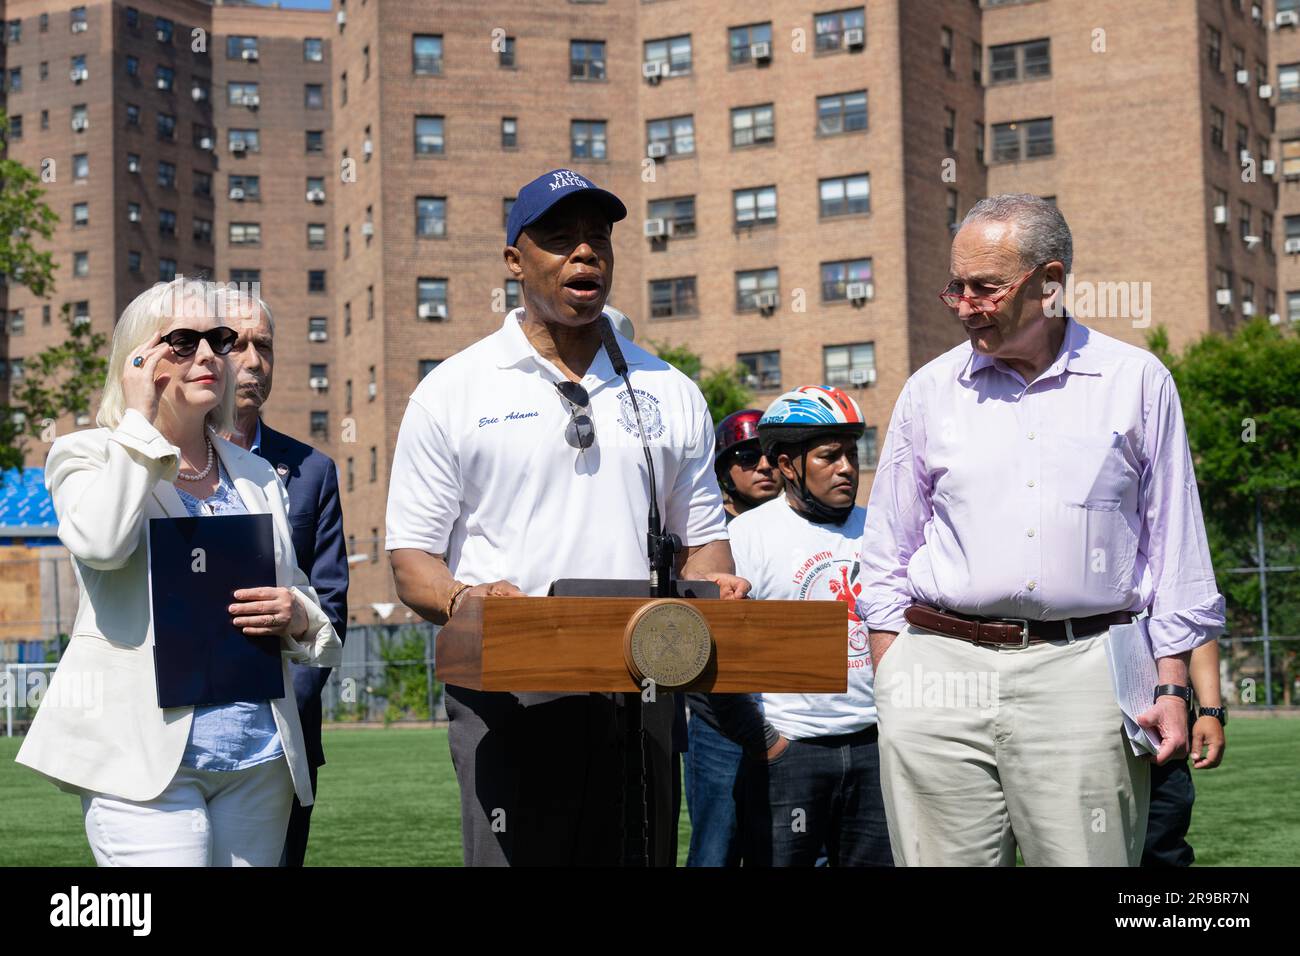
(1038, 475)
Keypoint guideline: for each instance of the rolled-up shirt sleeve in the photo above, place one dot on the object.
(897, 512)
(1187, 609)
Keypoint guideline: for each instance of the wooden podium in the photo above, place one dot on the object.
(576, 644)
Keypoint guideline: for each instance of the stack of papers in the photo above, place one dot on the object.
(1133, 671)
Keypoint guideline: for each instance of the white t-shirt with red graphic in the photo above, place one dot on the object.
(787, 557)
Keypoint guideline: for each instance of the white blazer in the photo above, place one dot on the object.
(99, 727)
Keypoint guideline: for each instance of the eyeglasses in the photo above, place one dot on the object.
(747, 458)
(581, 430)
(952, 296)
(185, 342)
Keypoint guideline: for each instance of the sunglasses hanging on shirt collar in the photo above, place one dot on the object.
(581, 430)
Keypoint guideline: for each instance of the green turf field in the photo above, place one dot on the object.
(388, 798)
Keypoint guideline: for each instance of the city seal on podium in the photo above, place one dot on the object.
(667, 641)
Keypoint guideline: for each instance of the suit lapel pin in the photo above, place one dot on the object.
(282, 470)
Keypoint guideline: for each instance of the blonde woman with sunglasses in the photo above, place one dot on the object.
(182, 786)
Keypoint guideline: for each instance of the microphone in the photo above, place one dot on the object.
(661, 548)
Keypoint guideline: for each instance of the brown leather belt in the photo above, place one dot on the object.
(1010, 631)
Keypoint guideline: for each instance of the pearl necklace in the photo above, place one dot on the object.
(204, 473)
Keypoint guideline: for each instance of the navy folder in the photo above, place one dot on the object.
(195, 566)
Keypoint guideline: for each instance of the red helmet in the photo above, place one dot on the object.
(736, 429)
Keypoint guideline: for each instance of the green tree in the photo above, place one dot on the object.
(723, 387)
(60, 380)
(1238, 395)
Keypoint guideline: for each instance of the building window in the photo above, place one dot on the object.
(132, 117)
(133, 263)
(347, 318)
(318, 377)
(14, 34)
(1216, 127)
(831, 29)
(166, 270)
(762, 370)
(1029, 60)
(673, 298)
(313, 95)
(163, 28)
(343, 88)
(365, 62)
(81, 264)
(514, 294)
(1244, 220)
(370, 315)
(586, 59)
(1266, 230)
(16, 80)
(246, 188)
(316, 328)
(204, 137)
(842, 113)
(945, 47)
(245, 233)
(506, 55)
(17, 322)
(132, 18)
(166, 126)
(428, 365)
(953, 205)
(849, 364)
(352, 482)
(132, 66)
(979, 143)
(315, 141)
(949, 128)
(977, 63)
(1288, 81)
(166, 175)
(837, 276)
(430, 216)
(315, 280)
(677, 134)
(203, 231)
(675, 51)
(845, 195)
(164, 78)
(868, 452)
(587, 139)
(242, 95)
(742, 40)
(320, 425)
(1025, 139)
(754, 207)
(15, 127)
(133, 212)
(246, 277)
(244, 141)
(313, 50)
(507, 204)
(167, 223)
(431, 298)
(315, 189)
(235, 47)
(753, 284)
(426, 54)
(1214, 48)
(751, 125)
(81, 166)
(429, 136)
(678, 212)
(509, 132)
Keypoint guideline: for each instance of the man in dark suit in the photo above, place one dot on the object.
(315, 518)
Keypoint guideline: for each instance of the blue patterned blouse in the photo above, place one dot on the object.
(243, 734)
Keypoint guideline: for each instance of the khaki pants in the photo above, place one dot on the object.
(985, 749)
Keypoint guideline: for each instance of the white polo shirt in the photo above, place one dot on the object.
(483, 474)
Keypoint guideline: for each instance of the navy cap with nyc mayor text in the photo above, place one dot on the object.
(546, 190)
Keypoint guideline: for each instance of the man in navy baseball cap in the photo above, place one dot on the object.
(535, 199)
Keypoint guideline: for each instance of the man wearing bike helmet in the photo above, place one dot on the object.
(748, 478)
(810, 778)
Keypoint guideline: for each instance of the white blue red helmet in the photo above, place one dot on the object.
(808, 412)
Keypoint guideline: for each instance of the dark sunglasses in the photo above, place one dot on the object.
(581, 430)
(747, 458)
(185, 342)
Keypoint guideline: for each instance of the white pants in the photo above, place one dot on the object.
(203, 818)
(985, 749)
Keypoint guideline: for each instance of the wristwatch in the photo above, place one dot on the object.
(1174, 690)
(1221, 713)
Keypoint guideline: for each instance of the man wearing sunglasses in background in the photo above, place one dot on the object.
(1035, 489)
(519, 462)
(747, 480)
(315, 518)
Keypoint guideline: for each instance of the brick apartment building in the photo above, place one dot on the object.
(792, 171)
